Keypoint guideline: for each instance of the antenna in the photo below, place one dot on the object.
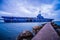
(40, 11)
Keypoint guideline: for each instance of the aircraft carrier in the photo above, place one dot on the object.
(39, 18)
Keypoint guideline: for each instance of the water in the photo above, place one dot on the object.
(9, 31)
(57, 22)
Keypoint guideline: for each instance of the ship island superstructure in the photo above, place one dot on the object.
(39, 18)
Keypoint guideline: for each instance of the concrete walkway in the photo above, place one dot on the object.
(47, 33)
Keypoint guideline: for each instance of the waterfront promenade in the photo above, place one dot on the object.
(47, 33)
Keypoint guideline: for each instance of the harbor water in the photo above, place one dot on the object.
(10, 31)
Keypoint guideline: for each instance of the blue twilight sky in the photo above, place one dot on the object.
(30, 8)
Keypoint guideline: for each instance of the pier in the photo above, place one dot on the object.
(47, 33)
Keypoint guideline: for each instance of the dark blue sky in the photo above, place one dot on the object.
(30, 8)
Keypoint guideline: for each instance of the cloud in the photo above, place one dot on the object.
(2, 13)
(31, 8)
(57, 17)
(57, 6)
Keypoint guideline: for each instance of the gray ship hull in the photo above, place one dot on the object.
(28, 20)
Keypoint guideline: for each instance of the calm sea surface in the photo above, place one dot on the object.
(9, 31)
